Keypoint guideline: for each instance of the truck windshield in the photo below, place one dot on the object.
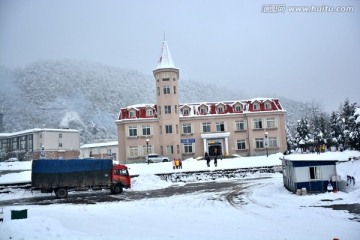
(123, 172)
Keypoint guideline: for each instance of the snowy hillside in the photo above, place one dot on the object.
(87, 96)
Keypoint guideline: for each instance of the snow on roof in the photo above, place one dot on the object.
(261, 99)
(141, 105)
(37, 130)
(310, 157)
(165, 60)
(104, 144)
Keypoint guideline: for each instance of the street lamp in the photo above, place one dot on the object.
(266, 140)
(147, 149)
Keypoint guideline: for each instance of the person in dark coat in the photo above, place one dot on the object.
(216, 155)
(207, 158)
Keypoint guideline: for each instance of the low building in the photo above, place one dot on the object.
(40, 142)
(309, 171)
(100, 150)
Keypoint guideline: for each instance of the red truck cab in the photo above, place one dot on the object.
(120, 178)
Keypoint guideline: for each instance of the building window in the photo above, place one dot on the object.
(169, 149)
(273, 142)
(203, 110)
(132, 113)
(160, 129)
(256, 106)
(188, 148)
(268, 106)
(167, 109)
(166, 79)
(40, 135)
(146, 130)
(187, 128)
(314, 173)
(166, 89)
(158, 91)
(220, 127)
(185, 111)
(257, 123)
(238, 108)
(270, 123)
(175, 108)
(259, 143)
(240, 145)
(132, 131)
(159, 110)
(220, 109)
(60, 135)
(177, 128)
(174, 89)
(146, 149)
(206, 127)
(133, 151)
(60, 144)
(168, 128)
(149, 112)
(239, 125)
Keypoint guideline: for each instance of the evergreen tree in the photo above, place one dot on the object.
(302, 135)
(290, 141)
(334, 129)
(347, 124)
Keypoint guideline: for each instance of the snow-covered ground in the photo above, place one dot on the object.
(267, 209)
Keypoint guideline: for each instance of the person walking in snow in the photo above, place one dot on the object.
(215, 158)
(173, 163)
(180, 163)
(207, 158)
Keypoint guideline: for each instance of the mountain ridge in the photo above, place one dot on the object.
(88, 96)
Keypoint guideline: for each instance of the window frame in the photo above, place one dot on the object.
(166, 90)
(257, 122)
(168, 129)
(270, 121)
(259, 143)
(314, 173)
(146, 128)
(220, 126)
(167, 109)
(186, 127)
(206, 126)
(238, 124)
(240, 142)
(131, 130)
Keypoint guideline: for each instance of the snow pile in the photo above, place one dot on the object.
(148, 182)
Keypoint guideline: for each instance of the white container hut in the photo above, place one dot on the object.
(309, 171)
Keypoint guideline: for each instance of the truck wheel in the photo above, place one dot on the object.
(61, 193)
(112, 189)
(118, 189)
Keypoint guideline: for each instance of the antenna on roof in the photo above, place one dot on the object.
(164, 36)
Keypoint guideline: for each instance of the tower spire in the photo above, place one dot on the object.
(165, 60)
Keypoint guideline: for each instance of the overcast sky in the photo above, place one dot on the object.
(303, 56)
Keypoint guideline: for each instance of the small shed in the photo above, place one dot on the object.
(309, 171)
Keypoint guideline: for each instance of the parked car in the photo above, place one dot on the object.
(12, 160)
(154, 158)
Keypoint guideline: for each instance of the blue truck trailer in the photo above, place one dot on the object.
(60, 175)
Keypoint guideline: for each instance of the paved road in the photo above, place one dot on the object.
(94, 197)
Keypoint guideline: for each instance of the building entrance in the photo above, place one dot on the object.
(213, 146)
